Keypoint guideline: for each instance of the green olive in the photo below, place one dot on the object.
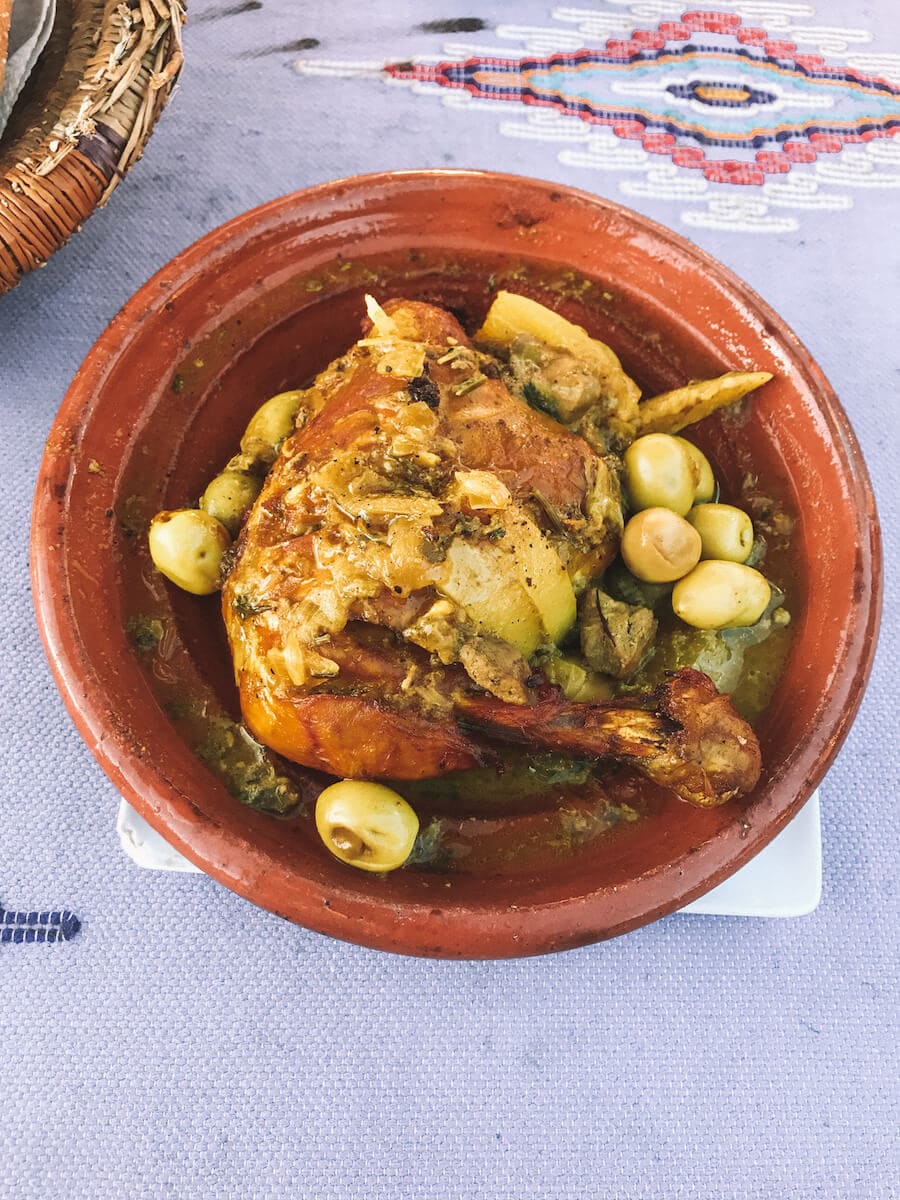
(187, 546)
(658, 546)
(705, 481)
(725, 531)
(366, 825)
(229, 496)
(659, 474)
(721, 595)
(242, 462)
(270, 425)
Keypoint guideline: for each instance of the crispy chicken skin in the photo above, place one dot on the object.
(358, 651)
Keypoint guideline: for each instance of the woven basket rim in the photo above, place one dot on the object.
(108, 72)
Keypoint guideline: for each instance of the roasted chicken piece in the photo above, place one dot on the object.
(683, 735)
(419, 536)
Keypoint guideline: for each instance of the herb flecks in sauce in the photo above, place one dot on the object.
(428, 852)
(144, 633)
(246, 607)
(486, 791)
(133, 519)
(246, 769)
(574, 816)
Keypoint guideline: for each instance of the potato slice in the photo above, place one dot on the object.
(511, 315)
(672, 411)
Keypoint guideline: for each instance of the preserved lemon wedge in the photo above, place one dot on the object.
(515, 588)
(511, 316)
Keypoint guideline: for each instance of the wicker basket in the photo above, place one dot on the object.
(82, 120)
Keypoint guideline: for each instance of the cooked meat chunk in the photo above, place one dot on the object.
(614, 635)
(557, 367)
(497, 667)
(382, 494)
(415, 543)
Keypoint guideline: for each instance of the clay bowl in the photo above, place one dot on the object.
(259, 305)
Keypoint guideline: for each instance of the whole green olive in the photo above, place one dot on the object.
(366, 825)
(229, 496)
(704, 480)
(187, 546)
(659, 474)
(725, 531)
(658, 546)
(270, 425)
(721, 595)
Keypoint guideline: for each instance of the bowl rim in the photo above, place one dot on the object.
(67, 655)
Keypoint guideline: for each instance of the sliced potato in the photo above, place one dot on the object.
(511, 315)
(671, 411)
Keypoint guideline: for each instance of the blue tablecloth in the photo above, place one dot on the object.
(186, 1044)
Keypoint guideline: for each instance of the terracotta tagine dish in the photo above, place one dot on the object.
(260, 306)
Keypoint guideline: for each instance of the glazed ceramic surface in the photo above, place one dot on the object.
(258, 306)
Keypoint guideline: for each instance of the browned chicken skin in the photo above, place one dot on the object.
(352, 655)
(684, 735)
